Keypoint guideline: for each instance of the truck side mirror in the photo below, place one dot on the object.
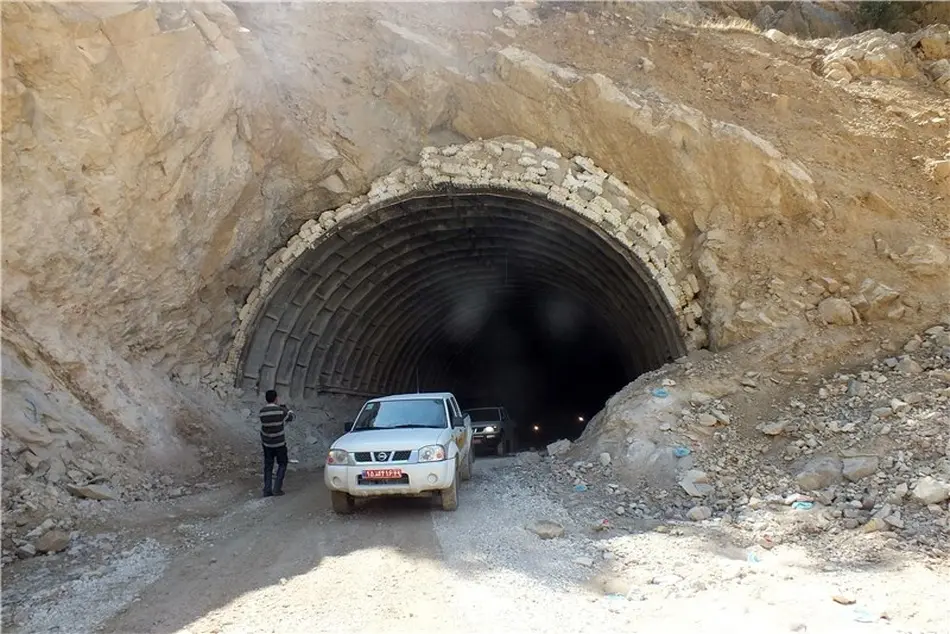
(458, 421)
(348, 427)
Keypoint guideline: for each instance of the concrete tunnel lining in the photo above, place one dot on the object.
(464, 251)
(358, 299)
(400, 320)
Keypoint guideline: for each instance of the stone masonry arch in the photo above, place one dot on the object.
(292, 314)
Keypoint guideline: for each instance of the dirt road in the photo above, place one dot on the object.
(229, 562)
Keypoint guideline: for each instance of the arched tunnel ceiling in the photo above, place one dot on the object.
(362, 308)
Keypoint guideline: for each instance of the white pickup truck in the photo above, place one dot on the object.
(405, 445)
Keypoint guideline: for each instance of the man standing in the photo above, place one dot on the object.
(273, 417)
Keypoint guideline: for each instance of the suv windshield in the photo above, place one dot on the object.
(484, 415)
(423, 412)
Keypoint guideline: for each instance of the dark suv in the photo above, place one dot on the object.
(493, 429)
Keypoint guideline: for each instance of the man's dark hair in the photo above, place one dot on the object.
(270, 396)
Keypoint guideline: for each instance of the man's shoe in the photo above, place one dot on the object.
(278, 492)
(266, 494)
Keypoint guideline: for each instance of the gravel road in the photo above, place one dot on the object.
(230, 563)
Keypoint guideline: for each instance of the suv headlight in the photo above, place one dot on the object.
(338, 456)
(489, 430)
(432, 453)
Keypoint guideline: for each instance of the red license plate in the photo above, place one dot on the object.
(476, 440)
(382, 474)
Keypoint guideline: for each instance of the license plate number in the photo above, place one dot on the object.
(477, 441)
(382, 474)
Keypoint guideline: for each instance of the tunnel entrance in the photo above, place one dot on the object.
(542, 353)
(506, 291)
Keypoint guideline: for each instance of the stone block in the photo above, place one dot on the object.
(675, 231)
(613, 218)
(540, 189)
(652, 236)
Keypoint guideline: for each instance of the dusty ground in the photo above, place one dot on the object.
(226, 561)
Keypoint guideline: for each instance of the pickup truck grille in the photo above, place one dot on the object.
(381, 456)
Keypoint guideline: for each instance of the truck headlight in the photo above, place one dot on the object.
(338, 456)
(489, 430)
(432, 453)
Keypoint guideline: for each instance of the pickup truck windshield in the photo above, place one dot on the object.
(484, 415)
(423, 412)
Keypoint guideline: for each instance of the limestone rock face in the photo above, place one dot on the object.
(810, 21)
(556, 106)
(891, 55)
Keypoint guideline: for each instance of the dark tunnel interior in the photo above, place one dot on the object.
(503, 299)
(543, 355)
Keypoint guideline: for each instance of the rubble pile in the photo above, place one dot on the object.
(45, 498)
(865, 450)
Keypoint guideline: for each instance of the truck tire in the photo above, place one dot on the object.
(342, 502)
(466, 471)
(450, 496)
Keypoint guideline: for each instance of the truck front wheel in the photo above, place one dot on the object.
(450, 496)
(466, 471)
(342, 502)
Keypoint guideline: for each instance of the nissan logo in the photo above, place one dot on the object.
(381, 456)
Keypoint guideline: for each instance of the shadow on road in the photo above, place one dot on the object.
(275, 540)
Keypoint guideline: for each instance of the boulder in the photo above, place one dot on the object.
(699, 513)
(772, 429)
(931, 491)
(876, 301)
(696, 483)
(819, 473)
(932, 43)
(908, 366)
(26, 551)
(52, 541)
(836, 311)
(859, 467)
(926, 260)
(559, 447)
(46, 526)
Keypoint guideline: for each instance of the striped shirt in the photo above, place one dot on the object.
(273, 417)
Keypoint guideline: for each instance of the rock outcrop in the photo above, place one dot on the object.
(877, 54)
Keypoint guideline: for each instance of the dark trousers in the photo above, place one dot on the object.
(272, 454)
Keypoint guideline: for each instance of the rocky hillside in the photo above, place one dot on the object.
(156, 155)
(751, 437)
(835, 19)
